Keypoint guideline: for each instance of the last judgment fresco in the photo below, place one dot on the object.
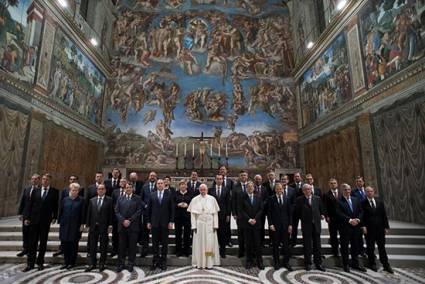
(200, 81)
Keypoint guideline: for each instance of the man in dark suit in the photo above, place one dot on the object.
(148, 188)
(279, 218)
(310, 211)
(167, 185)
(270, 183)
(194, 183)
(375, 227)
(222, 195)
(65, 191)
(137, 184)
(114, 182)
(228, 183)
(99, 222)
(128, 211)
(360, 193)
(92, 189)
(289, 192)
(314, 189)
(160, 221)
(23, 206)
(330, 201)
(262, 192)
(42, 211)
(116, 194)
(250, 211)
(239, 192)
(350, 215)
(297, 185)
(182, 224)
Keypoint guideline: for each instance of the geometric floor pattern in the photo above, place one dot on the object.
(11, 273)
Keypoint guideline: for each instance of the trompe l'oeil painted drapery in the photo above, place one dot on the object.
(13, 125)
(400, 145)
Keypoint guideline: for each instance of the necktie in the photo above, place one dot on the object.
(363, 194)
(225, 181)
(114, 183)
(160, 197)
(372, 204)
(218, 192)
(286, 191)
(309, 201)
(280, 200)
(44, 193)
(193, 185)
(336, 194)
(128, 197)
(99, 203)
(122, 192)
(272, 184)
(243, 186)
(252, 199)
(350, 204)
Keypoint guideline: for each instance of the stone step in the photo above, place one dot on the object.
(52, 246)
(172, 260)
(393, 231)
(390, 239)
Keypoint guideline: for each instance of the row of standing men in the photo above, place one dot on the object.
(347, 214)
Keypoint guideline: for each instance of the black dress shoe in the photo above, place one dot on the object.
(308, 267)
(65, 266)
(102, 267)
(373, 267)
(388, 269)
(260, 266)
(360, 268)
(58, 253)
(112, 254)
(22, 253)
(230, 244)
(346, 268)
(130, 268)
(90, 268)
(119, 269)
(288, 267)
(70, 267)
(163, 266)
(40, 267)
(276, 266)
(28, 268)
(144, 253)
(320, 267)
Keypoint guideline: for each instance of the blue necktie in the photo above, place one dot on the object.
(252, 199)
(350, 204)
(160, 197)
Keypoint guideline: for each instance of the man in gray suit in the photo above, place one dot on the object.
(310, 211)
(128, 211)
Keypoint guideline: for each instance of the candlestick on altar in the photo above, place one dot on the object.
(185, 150)
(177, 149)
(211, 149)
(193, 150)
(218, 150)
(227, 154)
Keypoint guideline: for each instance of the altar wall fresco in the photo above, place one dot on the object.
(214, 68)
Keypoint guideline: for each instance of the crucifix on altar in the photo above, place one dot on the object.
(201, 143)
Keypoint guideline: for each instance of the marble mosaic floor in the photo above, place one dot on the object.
(11, 273)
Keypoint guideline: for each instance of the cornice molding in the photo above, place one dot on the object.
(73, 31)
(337, 25)
(15, 91)
(399, 85)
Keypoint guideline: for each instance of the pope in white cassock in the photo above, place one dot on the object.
(204, 220)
